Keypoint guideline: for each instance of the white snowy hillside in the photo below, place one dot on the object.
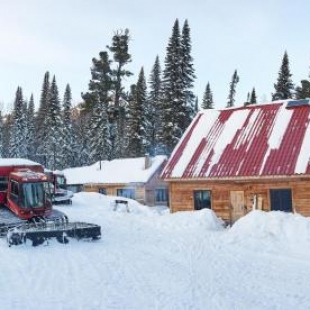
(151, 259)
(125, 170)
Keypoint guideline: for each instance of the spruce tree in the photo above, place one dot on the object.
(253, 99)
(18, 144)
(188, 74)
(6, 136)
(154, 107)
(54, 138)
(232, 90)
(175, 111)
(68, 149)
(137, 144)
(284, 86)
(207, 101)
(41, 122)
(31, 131)
(81, 134)
(99, 132)
(303, 91)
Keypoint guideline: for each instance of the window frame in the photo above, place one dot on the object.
(122, 192)
(203, 202)
(161, 193)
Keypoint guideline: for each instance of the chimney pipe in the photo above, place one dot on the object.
(147, 161)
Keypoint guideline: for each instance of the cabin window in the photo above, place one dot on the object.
(126, 192)
(202, 199)
(102, 191)
(14, 191)
(161, 195)
(281, 200)
(3, 184)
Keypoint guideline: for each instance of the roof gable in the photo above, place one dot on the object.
(256, 140)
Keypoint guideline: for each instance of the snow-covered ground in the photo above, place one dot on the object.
(151, 259)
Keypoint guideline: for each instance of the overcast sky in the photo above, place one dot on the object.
(62, 36)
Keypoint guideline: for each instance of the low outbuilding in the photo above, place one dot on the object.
(135, 178)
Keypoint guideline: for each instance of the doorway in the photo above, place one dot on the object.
(237, 203)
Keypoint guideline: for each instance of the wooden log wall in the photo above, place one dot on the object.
(181, 194)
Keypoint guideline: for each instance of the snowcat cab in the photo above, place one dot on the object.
(29, 194)
(60, 193)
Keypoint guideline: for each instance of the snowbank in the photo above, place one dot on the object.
(191, 220)
(272, 231)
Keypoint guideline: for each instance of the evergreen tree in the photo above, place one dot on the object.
(303, 91)
(68, 153)
(154, 107)
(207, 101)
(232, 90)
(41, 122)
(54, 138)
(137, 145)
(175, 110)
(101, 82)
(31, 131)
(284, 86)
(119, 48)
(188, 74)
(81, 134)
(253, 99)
(99, 132)
(100, 100)
(18, 145)
(6, 136)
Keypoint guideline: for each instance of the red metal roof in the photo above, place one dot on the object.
(255, 140)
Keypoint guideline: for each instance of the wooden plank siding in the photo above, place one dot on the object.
(181, 194)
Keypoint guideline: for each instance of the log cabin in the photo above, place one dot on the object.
(243, 158)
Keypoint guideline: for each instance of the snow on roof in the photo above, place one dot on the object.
(254, 140)
(127, 170)
(6, 162)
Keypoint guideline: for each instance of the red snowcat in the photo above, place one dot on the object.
(26, 211)
(61, 195)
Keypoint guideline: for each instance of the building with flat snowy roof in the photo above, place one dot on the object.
(135, 178)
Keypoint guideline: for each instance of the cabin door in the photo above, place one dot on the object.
(237, 204)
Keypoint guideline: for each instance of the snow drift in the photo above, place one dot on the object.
(272, 231)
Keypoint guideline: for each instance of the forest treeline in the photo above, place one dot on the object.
(112, 122)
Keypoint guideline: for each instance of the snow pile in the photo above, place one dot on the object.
(204, 220)
(107, 203)
(272, 231)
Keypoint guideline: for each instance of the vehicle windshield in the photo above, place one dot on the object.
(33, 195)
(60, 181)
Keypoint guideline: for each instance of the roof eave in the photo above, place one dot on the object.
(239, 178)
